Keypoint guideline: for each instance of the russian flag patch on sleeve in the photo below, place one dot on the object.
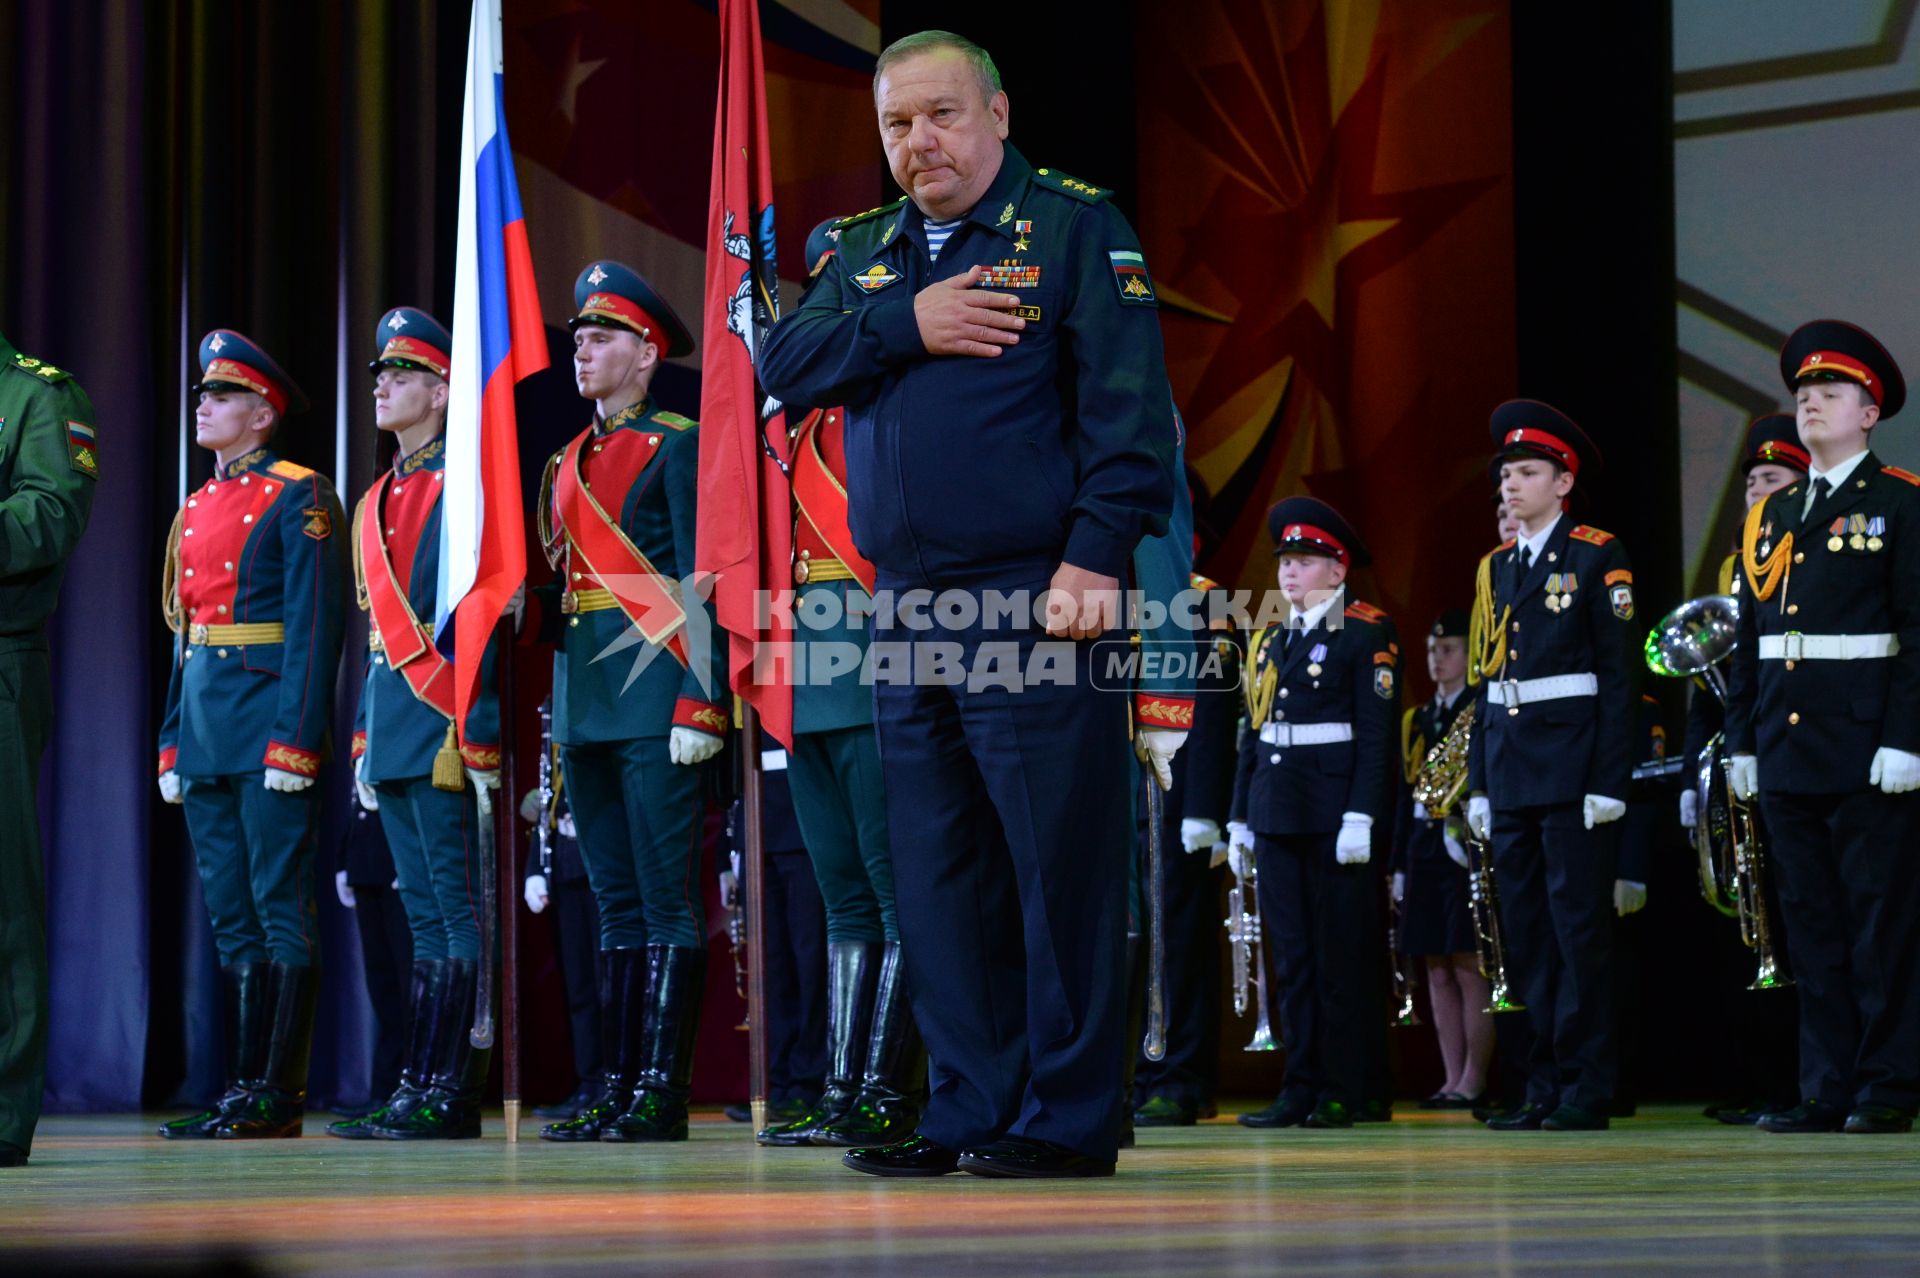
(1130, 274)
(82, 449)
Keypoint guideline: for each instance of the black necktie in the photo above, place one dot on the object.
(1526, 559)
(1820, 490)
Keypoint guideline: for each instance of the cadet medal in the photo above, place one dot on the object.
(1568, 585)
(1875, 526)
(1835, 542)
(1314, 659)
(1553, 593)
(1857, 526)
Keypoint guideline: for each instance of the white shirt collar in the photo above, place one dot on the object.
(1445, 702)
(1538, 542)
(1304, 621)
(1839, 474)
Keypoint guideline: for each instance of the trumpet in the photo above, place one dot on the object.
(1249, 959)
(1404, 1016)
(1489, 946)
(1692, 641)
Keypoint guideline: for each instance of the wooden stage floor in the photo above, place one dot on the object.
(1433, 1194)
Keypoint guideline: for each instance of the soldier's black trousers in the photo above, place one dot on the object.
(1325, 940)
(638, 814)
(1850, 892)
(839, 800)
(1011, 825)
(26, 718)
(1555, 879)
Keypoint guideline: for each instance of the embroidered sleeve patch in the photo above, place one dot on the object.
(1622, 599)
(83, 451)
(317, 523)
(1130, 274)
(1619, 575)
(876, 277)
(1383, 682)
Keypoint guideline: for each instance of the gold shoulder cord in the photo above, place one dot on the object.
(1486, 636)
(550, 539)
(1413, 750)
(1769, 576)
(170, 606)
(1262, 680)
(359, 568)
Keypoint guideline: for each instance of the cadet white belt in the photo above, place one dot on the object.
(1305, 734)
(1524, 692)
(1799, 647)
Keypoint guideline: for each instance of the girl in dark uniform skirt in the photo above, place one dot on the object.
(1431, 886)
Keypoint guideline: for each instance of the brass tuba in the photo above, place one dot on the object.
(1691, 641)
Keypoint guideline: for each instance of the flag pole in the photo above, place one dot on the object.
(754, 794)
(510, 913)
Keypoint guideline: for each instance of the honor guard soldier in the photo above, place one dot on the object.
(254, 592)
(1824, 725)
(1315, 781)
(1554, 645)
(616, 515)
(876, 1065)
(1760, 1032)
(994, 339)
(49, 461)
(1431, 883)
(410, 761)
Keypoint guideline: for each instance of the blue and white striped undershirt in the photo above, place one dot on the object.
(937, 233)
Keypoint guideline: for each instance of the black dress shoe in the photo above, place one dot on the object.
(1021, 1159)
(1574, 1118)
(1878, 1120)
(583, 1095)
(1164, 1111)
(914, 1156)
(1736, 1115)
(1329, 1115)
(1373, 1111)
(1455, 1102)
(1807, 1116)
(741, 1113)
(12, 1156)
(350, 1112)
(1525, 1119)
(1437, 1101)
(1285, 1112)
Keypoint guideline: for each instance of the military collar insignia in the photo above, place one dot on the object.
(631, 413)
(420, 456)
(1006, 214)
(242, 464)
(876, 277)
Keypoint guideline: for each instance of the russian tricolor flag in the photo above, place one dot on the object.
(498, 339)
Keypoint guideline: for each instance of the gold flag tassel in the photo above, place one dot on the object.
(449, 773)
(1767, 577)
(1486, 637)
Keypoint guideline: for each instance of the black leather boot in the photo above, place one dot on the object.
(243, 1011)
(853, 970)
(676, 979)
(276, 1099)
(429, 976)
(888, 1106)
(450, 1109)
(623, 988)
(1136, 1018)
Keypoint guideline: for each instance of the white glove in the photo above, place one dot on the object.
(1600, 810)
(1895, 771)
(1743, 774)
(1419, 810)
(484, 778)
(1628, 897)
(688, 745)
(1239, 847)
(1399, 885)
(530, 807)
(170, 787)
(342, 889)
(1480, 817)
(1198, 833)
(369, 799)
(1157, 746)
(1455, 852)
(1354, 844)
(286, 782)
(517, 609)
(1217, 857)
(1690, 808)
(536, 892)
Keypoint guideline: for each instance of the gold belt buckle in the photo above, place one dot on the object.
(569, 602)
(801, 570)
(197, 633)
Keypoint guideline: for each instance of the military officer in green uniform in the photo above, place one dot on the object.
(875, 1063)
(254, 592)
(48, 464)
(409, 763)
(639, 693)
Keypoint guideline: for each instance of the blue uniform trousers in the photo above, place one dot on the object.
(255, 851)
(638, 814)
(434, 837)
(839, 800)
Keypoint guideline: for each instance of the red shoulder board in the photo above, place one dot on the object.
(1365, 612)
(290, 470)
(1592, 536)
(1897, 473)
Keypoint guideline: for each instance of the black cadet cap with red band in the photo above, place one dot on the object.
(1307, 525)
(1529, 428)
(613, 295)
(1774, 440)
(1836, 351)
(1451, 624)
(230, 360)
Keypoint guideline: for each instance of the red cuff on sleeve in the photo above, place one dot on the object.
(1154, 710)
(701, 716)
(168, 757)
(359, 744)
(303, 763)
(481, 758)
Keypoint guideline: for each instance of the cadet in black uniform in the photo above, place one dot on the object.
(1314, 782)
(1431, 884)
(1823, 724)
(1554, 647)
(995, 342)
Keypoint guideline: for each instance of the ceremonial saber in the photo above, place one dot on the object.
(481, 1035)
(1155, 1046)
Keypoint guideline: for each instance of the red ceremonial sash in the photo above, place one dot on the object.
(616, 564)
(422, 665)
(822, 498)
